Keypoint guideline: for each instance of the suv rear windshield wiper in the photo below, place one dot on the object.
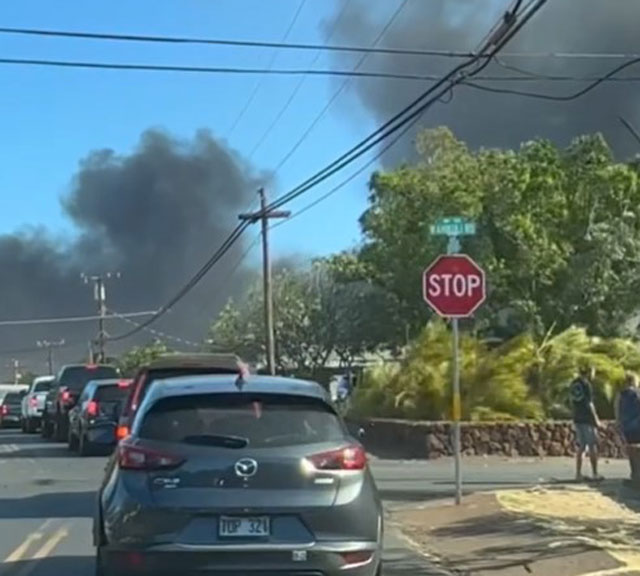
(217, 440)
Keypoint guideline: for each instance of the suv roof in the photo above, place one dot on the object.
(88, 366)
(229, 362)
(110, 382)
(211, 384)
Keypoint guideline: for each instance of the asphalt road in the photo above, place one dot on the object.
(46, 502)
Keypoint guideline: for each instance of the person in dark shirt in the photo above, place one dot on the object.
(627, 410)
(585, 420)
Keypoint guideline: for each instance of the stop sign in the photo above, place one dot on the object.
(454, 286)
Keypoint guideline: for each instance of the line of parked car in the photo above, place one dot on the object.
(216, 470)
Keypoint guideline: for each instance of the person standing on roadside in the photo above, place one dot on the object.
(627, 410)
(585, 420)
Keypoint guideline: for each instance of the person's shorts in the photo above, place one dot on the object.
(632, 436)
(586, 436)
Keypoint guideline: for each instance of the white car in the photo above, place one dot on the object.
(33, 403)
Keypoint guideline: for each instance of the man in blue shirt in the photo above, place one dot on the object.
(627, 410)
(585, 420)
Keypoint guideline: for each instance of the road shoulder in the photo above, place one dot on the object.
(559, 531)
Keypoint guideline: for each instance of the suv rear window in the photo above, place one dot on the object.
(259, 421)
(42, 386)
(76, 377)
(13, 398)
(143, 383)
(111, 393)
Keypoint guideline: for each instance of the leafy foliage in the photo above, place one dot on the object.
(558, 231)
(559, 238)
(522, 378)
(130, 362)
(329, 310)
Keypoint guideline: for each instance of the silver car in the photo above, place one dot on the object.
(238, 476)
(33, 403)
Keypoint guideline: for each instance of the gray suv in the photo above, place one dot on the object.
(238, 476)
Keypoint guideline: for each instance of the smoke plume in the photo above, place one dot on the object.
(488, 119)
(154, 216)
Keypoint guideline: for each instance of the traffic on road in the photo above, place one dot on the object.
(194, 465)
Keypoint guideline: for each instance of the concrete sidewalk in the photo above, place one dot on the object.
(570, 530)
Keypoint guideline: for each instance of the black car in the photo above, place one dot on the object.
(64, 394)
(11, 409)
(170, 366)
(94, 419)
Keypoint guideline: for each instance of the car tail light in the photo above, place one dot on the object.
(5, 409)
(138, 458)
(356, 559)
(122, 432)
(124, 383)
(33, 402)
(93, 408)
(91, 366)
(348, 458)
(66, 395)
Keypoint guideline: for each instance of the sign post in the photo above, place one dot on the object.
(454, 286)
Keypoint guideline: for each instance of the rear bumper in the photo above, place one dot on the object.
(102, 434)
(320, 559)
(10, 420)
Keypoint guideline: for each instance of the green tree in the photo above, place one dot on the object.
(558, 232)
(321, 312)
(524, 377)
(131, 361)
(493, 382)
(300, 345)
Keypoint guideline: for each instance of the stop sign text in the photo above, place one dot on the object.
(454, 286)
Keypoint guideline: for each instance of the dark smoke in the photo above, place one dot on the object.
(484, 119)
(154, 216)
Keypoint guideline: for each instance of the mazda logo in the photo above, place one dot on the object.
(246, 467)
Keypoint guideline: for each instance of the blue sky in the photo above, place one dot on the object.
(53, 117)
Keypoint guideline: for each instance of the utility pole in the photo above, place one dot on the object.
(16, 371)
(264, 216)
(100, 296)
(49, 346)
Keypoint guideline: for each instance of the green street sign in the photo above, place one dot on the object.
(453, 227)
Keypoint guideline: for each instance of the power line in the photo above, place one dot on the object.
(557, 98)
(34, 349)
(631, 128)
(503, 33)
(354, 175)
(157, 333)
(296, 89)
(498, 38)
(339, 91)
(258, 85)
(348, 74)
(66, 319)
(233, 237)
(154, 39)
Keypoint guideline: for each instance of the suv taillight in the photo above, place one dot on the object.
(93, 408)
(65, 396)
(33, 402)
(138, 458)
(5, 409)
(122, 432)
(351, 457)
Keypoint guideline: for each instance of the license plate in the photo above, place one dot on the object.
(244, 526)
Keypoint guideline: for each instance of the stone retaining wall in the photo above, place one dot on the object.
(427, 440)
